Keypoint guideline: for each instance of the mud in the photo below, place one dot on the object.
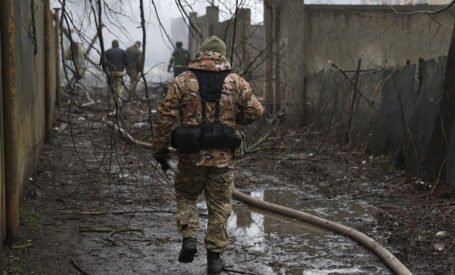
(90, 180)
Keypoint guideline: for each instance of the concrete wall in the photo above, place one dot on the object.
(284, 44)
(396, 108)
(248, 57)
(346, 33)
(300, 40)
(30, 88)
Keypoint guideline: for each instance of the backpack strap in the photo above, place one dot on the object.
(210, 88)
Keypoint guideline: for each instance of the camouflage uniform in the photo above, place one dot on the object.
(75, 54)
(135, 66)
(210, 170)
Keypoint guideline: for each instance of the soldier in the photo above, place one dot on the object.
(75, 54)
(180, 58)
(135, 66)
(116, 60)
(210, 102)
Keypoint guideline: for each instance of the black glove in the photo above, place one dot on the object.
(168, 69)
(162, 158)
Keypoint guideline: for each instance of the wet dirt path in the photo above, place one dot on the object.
(98, 205)
(73, 199)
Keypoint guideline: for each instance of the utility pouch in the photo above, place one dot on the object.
(218, 135)
(186, 139)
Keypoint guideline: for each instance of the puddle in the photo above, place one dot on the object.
(303, 248)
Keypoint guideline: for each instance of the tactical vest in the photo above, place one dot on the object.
(190, 140)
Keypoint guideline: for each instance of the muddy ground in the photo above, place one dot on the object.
(98, 205)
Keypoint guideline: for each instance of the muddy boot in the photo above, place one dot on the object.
(214, 262)
(189, 248)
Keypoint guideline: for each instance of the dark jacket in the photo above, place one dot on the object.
(180, 58)
(116, 59)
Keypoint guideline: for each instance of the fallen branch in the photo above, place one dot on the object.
(96, 213)
(266, 148)
(238, 271)
(127, 136)
(21, 246)
(111, 230)
(73, 262)
(258, 142)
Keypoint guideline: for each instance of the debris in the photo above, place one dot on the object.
(21, 246)
(111, 230)
(258, 142)
(140, 124)
(438, 247)
(442, 234)
(238, 271)
(62, 127)
(73, 262)
(258, 149)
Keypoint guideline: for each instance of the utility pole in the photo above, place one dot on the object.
(57, 55)
(47, 68)
(10, 129)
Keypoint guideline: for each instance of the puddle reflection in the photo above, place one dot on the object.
(316, 251)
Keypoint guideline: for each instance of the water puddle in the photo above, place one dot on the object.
(293, 247)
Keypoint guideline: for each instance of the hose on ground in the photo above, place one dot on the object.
(388, 258)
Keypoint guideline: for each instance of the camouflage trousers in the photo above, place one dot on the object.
(134, 79)
(115, 81)
(218, 185)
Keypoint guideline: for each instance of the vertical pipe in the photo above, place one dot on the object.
(57, 55)
(47, 67)
(10, 130)
(277, 92)
(268, 36)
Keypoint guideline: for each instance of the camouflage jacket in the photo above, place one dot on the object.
(135, 59)
(238, 105)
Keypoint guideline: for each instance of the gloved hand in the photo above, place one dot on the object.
(162, 157)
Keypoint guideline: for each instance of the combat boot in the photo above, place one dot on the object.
(214, 262)
(189, 248)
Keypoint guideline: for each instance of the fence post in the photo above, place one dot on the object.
(57, 56)
(10, 128)
(47, 68)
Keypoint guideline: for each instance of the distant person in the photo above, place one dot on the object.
(179, 59)
(116, 61)
(75, 54)
(135, 64)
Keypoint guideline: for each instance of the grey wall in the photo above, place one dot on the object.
(372, 33)
(315, 34)
(396, 108)
(29, 89)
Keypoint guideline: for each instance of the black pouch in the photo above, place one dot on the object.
(186, 139)
(229, 139)
(210, 134)
(218, 135)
